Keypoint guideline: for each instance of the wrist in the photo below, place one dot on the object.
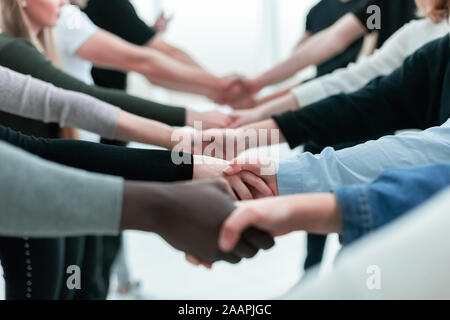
(208, 168)
(191, 117)
(142, 206)
(256, 85)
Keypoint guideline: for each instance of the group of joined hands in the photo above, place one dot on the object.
(241, 94)
(226, 213)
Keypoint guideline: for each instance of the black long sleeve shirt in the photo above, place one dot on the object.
(131, 164)
(415, 96)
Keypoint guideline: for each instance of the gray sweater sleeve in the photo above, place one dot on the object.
(44, 199)
(32, 98)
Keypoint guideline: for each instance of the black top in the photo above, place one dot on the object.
(394, 14)
(120, 18)
(322, 16)
(21, 56)
(415, 96)
(131, 164)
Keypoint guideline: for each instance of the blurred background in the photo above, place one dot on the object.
(232, 36)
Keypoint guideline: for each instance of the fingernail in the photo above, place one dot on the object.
(228, 169)
(224, 244)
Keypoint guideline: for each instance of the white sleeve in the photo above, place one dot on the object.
(74, 29)
(389, 57)
(34, 99)
(407, 259)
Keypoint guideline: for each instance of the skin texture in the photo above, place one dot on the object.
(315, 50)
(229, 143)
(43, 13)
(315, 213)
(180, 214)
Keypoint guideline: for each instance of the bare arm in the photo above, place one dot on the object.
(315, 213)
(317, 49)
(158, 43)
(302, 40)
(107, 50)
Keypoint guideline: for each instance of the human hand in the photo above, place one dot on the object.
(222, 144)
(162, 22)
(189, 217)
(243, 185)
(272, 215)
(264, 168)
(208, 120)
(243, 117)
(234, 92)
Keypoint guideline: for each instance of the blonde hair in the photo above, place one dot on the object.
(14, 22)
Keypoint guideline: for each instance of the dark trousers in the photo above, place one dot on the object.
(36, 268)
(100, 253)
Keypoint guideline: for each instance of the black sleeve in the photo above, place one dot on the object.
(131, 164)
(120, 17)
(21, 56)
(406, 99)
(308, 26)
(313, 15)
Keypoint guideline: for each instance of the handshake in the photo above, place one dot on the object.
(236, 91)
(191, 216)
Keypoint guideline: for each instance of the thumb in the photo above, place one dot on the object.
(232, 229)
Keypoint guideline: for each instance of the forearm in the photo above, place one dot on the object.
(316, 50)
(109, 51)
(183, 57)
(61, 202)
(275, 95)
(134, 128)
(267, 132)
(166, 71)
(36, 65)
(141, 205)
(159, 44)
(287, 102)
(314, 213)
(34, 99)
(133, 164)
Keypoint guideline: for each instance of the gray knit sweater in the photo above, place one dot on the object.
(39, 198)
(31, 98)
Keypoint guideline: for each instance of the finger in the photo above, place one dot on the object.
(258, 238)
(245, 250)
(229, 189)
(236, 166)
(257, 183)
(229, 257)
(193, 260)
(238, 123)
(239, 220)
(240, 188)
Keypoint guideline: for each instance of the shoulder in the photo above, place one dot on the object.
(7, 41)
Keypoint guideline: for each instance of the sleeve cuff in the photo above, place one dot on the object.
(292, 132)
(309, 93)
(289, 178)
(356, 214)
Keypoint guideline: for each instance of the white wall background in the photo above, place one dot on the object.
(234, 35)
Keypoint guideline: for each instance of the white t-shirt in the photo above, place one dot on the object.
(389, 57)
(73, 30)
